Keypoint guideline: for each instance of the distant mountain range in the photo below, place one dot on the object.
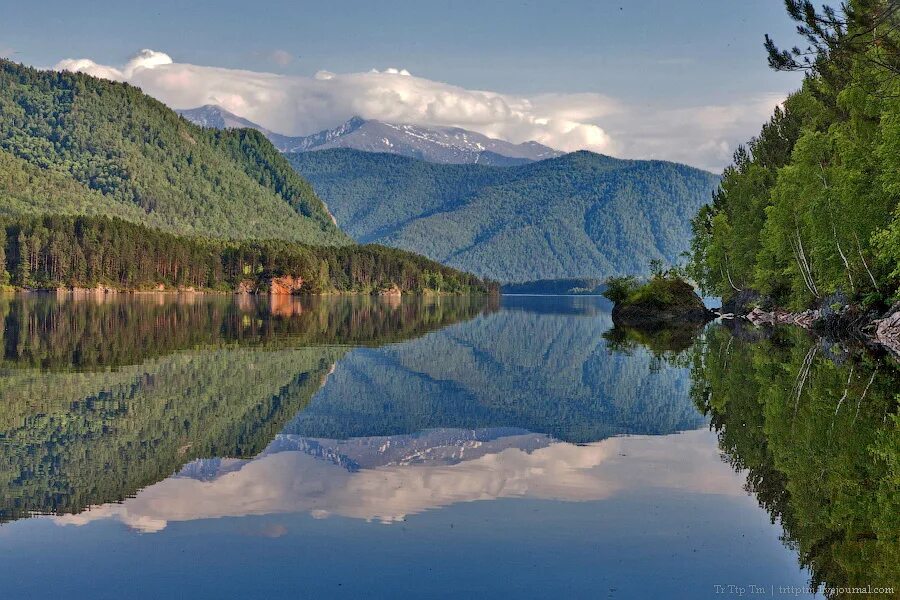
(450, 145)
(439, 192)
(578, 215)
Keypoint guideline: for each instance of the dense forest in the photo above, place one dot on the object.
(59, 251)
(580, 215)
(72, 144)
(810, 206)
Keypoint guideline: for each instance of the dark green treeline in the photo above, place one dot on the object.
(58, 251)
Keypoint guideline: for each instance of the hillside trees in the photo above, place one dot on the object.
(809, 207)
(61, 251)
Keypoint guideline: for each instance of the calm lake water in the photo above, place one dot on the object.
(219, 447)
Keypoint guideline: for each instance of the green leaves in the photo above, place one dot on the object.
(811, 207)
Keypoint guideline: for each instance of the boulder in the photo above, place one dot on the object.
(676, 303)
(887, 329)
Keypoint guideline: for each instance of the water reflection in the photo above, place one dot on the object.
(192, 377)
(156, 411)
(547, 373)
(85, 332)
(389, 478)
(815, 427)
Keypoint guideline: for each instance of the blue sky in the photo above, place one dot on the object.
(648, 55)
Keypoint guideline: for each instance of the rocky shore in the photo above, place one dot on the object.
(835, 318)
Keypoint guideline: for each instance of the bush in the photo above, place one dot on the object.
(620, 289)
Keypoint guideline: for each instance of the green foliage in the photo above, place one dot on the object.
(620, 289)
(580, 215)
(662, 290)
(74, 145)
(57, 251)
(810, 207)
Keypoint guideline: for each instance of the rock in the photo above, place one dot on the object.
(677, 304)
(393, 291)
(741, 302)
(246, 286)
(806, 319)
(285, 285)
(887, 329)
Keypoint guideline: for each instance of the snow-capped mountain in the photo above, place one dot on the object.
(217, 117)
(433, 144)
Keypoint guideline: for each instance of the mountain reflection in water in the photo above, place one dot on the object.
(759, 454)
(405, 475)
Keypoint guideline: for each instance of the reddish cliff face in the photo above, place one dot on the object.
(285, 284)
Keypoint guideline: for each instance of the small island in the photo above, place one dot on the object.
(665, 299)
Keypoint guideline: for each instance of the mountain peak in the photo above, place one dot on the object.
(433, 144)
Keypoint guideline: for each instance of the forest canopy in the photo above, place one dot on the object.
(810, 206)
(58, 251)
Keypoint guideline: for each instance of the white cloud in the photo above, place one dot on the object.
(145, 59)
(703, 136)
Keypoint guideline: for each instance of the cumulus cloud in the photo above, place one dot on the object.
(704, 136)
(296, 105)
(145, 59)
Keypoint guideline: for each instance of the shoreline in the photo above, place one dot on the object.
(103, 290)
(850, 322)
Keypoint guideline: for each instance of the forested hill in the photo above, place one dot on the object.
(71, 144)
(810, 207)
(580, 215)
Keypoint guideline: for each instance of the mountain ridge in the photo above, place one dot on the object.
(578, 215)
(450, 145)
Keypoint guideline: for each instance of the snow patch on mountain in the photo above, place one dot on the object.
(434, 144)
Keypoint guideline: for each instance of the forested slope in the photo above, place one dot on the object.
(580, 215)
(48, 252)
(810, 206)
(73, 144)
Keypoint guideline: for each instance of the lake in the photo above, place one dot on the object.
(162, 446)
